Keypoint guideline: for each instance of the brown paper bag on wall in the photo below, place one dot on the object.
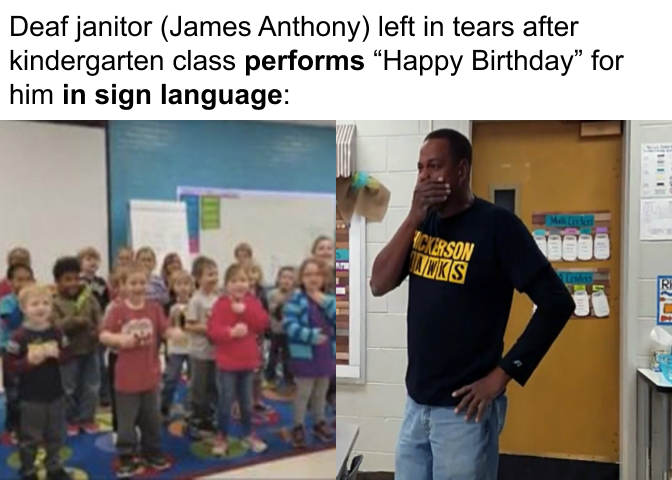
(367, 202)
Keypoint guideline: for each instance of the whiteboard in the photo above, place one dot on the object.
(280, 227)
(162, 226)
(53, 192)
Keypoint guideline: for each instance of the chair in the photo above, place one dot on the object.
(354, 468)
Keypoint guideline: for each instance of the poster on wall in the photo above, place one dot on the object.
(193, 204)
(656, 179)
(664, 316)
(573, 236)
(342, 291)
(655, 219)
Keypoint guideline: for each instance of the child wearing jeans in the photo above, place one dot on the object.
(203, 387)
(309, 319)
(77, 313)
(278, 351)
(182, 286)
(20, 276)
(237, 319)
(34, 354)
(135, 327)
(89, 259)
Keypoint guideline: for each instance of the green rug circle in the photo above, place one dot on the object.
(203, 449)
(14, 462)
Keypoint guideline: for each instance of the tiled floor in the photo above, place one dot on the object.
(314, 466)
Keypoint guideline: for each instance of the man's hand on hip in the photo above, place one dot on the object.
(477, 396)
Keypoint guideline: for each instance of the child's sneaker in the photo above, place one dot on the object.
(256, 444)
(157, 462)
(299, 436)
(91, 428)
(261, 407)
(59, 474)
(220, 446)
(73, 430)
(128, 468)
(322, 432)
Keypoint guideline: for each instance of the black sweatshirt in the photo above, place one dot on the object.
(37, 383)
(463, 272)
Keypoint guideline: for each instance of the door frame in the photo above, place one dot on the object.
(628, 308)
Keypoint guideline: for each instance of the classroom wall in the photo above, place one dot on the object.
(649, 259)
(53, 192)
(150, 159)
(389, 151)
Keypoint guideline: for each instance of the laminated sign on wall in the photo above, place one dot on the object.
(590, 290)
(664, 296)
(573, 237)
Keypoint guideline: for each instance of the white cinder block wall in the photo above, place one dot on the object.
(649, 260)
(389, 151)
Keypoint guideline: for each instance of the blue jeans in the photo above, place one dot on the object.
(81, 382)
(171, 377)
(232, 386)
(435, 443)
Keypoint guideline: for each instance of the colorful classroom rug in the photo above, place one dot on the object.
(92, 457)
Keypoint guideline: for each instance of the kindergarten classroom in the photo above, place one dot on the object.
(190, 187)
(597, 197)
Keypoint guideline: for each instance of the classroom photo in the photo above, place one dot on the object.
(504, 299)
(168, 300)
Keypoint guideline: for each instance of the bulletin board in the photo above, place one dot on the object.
(350, 300)
(573, 236)
(590, 288)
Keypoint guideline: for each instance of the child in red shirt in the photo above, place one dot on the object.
(135, 327)
(236, 320)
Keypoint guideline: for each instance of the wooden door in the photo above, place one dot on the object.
(570, 406)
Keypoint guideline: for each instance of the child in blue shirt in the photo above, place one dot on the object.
(19, 275)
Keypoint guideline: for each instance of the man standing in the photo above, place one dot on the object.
(465, 256)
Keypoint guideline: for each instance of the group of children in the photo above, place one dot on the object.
(84, 341)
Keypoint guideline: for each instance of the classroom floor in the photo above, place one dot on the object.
(311, 466)
(308, 466)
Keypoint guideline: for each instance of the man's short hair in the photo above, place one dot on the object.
(459, 146)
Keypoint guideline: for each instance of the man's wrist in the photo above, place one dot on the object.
(502, 375)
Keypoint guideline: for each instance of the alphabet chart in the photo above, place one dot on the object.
(573, 237)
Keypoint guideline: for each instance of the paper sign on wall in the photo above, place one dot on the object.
(210, 212)
(664, 296)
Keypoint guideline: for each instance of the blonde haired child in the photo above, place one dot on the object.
(135, 327)
(182, 287)
(89, 260)
(203, 389)
(34, 354)
(309, 319)
(157, 290)
(243, 254)
(278, 351)
(255, 277)
(237, 319)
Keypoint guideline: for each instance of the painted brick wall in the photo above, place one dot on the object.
(150, 159)
(389, 151)
(650, 260)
